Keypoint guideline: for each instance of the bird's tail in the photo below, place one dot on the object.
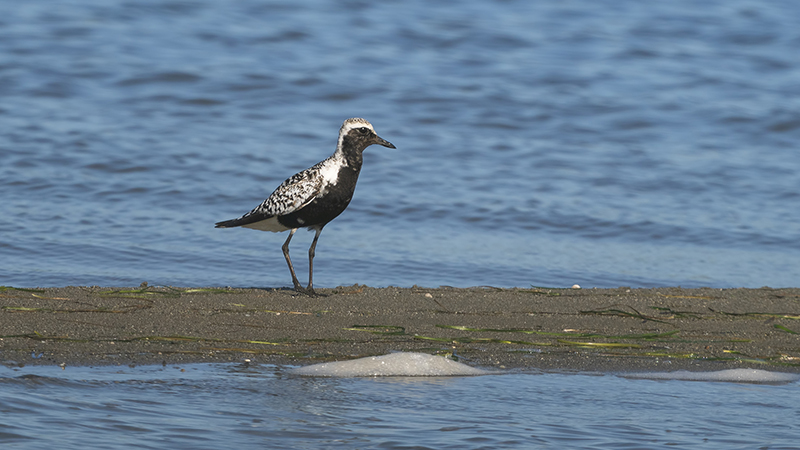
(246, 219)
(229, 223)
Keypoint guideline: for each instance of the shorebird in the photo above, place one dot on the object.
(312, 198)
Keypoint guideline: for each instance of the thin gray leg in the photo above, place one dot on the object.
(285, 248)
(311, 252)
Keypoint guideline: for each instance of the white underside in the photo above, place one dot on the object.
(270, 224)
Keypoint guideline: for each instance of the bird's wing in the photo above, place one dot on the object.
(293, 194)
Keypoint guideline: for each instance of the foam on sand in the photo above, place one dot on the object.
(406, 364)
(730, 375)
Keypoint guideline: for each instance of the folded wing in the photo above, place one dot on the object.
(292, 195)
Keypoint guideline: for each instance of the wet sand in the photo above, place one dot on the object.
(598, 330)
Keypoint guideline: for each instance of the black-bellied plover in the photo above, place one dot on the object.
(312, 198)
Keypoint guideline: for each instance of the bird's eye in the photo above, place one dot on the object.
(363, 130)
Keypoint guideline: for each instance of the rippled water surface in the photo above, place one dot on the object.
(538, 143)
(253, 406)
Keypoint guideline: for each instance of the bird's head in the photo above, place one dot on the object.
(358, 134)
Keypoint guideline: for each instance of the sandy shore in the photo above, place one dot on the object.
(561, 329)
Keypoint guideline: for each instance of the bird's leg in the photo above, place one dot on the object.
(285, 248)
(311, 250)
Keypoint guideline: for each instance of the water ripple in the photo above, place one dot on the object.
(648, 132)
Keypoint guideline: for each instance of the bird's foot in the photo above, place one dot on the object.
(312, 293)
(309, 291)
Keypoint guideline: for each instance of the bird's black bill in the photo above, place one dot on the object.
(384, 142)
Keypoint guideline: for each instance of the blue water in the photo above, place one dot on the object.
(538, 143)
(261, 406)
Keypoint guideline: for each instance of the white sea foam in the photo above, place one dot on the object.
(393, 364)
(730, 375)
